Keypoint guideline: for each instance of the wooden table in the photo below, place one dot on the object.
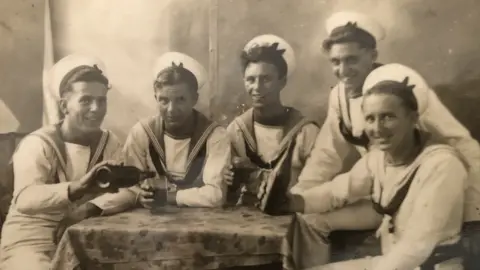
(185, 238)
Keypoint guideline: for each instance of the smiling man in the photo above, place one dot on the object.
(273, 138)
(188, 151)
(351, 47)
(54, 167)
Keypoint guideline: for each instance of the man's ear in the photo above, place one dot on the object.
(62, 104)
(195, 96)
(415, 117)
(283, 82)
(374, 55)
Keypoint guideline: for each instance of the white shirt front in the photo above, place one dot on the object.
(211, 194)
(77, 160)
(268, 140)
(176, 154)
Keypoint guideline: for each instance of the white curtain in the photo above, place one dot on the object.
(50, 110)
(128, 36)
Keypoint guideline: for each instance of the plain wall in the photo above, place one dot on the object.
(437, 38)
(21, 56)
(128, 38)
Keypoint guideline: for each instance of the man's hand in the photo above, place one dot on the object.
(241, 169)
(228, 175)
(243, 163)
(296, 203)
(145, 195)
(86, 184)
(84, 211)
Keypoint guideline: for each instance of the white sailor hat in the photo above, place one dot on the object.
(170, 59)
(400, 73)
(361, 21)
(66, 66)
(267, 41)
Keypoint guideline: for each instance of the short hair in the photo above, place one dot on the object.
(176, 75)
(350, 33)
(81, 74)
(399, 89)
(268, 54)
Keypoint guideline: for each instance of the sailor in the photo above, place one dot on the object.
(415, 182)
(53, 167)
(188, 151)
(352, 49)
(273, 139)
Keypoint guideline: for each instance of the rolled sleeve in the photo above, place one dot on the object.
(346, 187)
(112, 203)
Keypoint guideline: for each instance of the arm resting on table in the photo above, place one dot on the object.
(328, 153)
(346, 187)
(213, 193)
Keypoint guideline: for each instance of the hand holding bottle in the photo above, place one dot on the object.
(87, 184)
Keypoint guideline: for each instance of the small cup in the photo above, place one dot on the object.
(159, 197)
(158, 188)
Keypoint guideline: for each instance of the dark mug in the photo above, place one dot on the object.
(160, 205)
(158, 186)
(159, 197)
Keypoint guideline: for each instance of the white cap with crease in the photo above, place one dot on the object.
(68, 64)
(170, 59)
(362, 21)
(267, 41)
(398, 73)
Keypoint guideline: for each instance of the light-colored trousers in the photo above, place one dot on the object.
(306, 244)
(369, 264)
(25, 258)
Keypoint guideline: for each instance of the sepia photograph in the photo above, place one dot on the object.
(239, 135)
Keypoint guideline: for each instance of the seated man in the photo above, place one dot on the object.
(414, 181)
(351, 47)
(270, 138)
(188, 151)
(54, 166)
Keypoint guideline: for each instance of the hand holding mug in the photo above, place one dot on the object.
(146, 194)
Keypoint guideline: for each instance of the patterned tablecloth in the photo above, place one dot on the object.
(184, 238)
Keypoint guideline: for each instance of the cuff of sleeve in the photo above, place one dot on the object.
(102, 203)
(297, 203)
(92, 210)
(103, 211)
(340, 187)
(115, 202)
(62, 190)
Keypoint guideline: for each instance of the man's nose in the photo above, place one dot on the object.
(342, 69)
(94, 106)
